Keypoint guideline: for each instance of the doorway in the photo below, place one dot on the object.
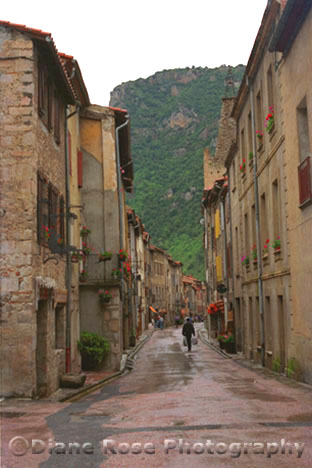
(42, 348)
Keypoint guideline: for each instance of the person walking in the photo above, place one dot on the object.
(188, 330)
(177, 320)
(161, 322)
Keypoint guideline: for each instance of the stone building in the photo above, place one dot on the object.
(159, 279)
(34, 94)
(74, 209)
(291, 43)
(218, 261)
(175, 289)
(107, 174)
(257, 187)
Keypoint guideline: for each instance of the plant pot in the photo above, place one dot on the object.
(221, 343)
(229, 348)
(89, 364)
(105, 300)
(74, 259)
(104, 259)
(132, 340)
(83, 279)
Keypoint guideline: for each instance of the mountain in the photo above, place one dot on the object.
(174, 116)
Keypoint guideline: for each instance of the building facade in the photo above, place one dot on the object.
(33, 192)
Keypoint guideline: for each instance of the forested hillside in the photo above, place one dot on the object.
(174, 116)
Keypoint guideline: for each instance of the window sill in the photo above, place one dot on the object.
(277, 255)
(307, 202)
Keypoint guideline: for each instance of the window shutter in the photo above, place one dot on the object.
(57, 130)
(62, 219)
(79, 168)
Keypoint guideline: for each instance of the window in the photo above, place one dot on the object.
(52, 207)
(276, 209)
(263, 219)
(243, 145)
(50, 210)
(57, 124)
(304, 169)
(253, 225)
(236, 250)
(49, 106)
(43, 93)
(249, 133)
(247, 244)
(259, 113)
(270, 87)
(60, 327)
(42, 207)
(234, 174)
(62, 219)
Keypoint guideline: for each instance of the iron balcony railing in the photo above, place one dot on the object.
(99, 271)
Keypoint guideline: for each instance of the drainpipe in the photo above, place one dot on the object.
(68, 262)
(260, 282)
(119, 187)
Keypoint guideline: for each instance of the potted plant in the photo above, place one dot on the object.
(104, 295)
(46, 233)
(116, 273)
(84, 231)
(86, 249)
(276, 244)
(245, 260)
(123, 255)
(83, 275)
(228, 342)
(242, 167)
(269, 120)
(105, 255)
(221, 342)
(254, 253)
(93, 348)
(260, 139)
(76, 257)
(250, 157)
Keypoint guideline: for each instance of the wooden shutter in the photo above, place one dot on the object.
(57, 109)
(62, 219)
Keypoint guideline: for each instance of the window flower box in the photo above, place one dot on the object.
(105, 255)
(104, 296)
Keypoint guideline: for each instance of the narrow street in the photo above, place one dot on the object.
(170, 399)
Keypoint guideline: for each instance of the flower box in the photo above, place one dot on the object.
(104, 256)
(104, 296)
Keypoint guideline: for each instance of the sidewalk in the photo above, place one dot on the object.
(256, 367)
(94, 379)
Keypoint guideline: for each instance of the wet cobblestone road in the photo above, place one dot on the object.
(171, 398)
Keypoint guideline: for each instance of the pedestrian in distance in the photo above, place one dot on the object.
(177, 321)
(161, 322)
(188, 330)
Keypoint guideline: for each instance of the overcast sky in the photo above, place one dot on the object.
(121, 40)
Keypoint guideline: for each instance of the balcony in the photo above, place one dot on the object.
(100, 272)
(304, 174)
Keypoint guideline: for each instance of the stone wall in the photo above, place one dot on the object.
(26, 147)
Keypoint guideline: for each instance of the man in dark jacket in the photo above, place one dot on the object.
(187, 331)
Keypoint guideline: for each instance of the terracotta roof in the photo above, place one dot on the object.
(117, 109)
(45, 39)
(76, 79)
